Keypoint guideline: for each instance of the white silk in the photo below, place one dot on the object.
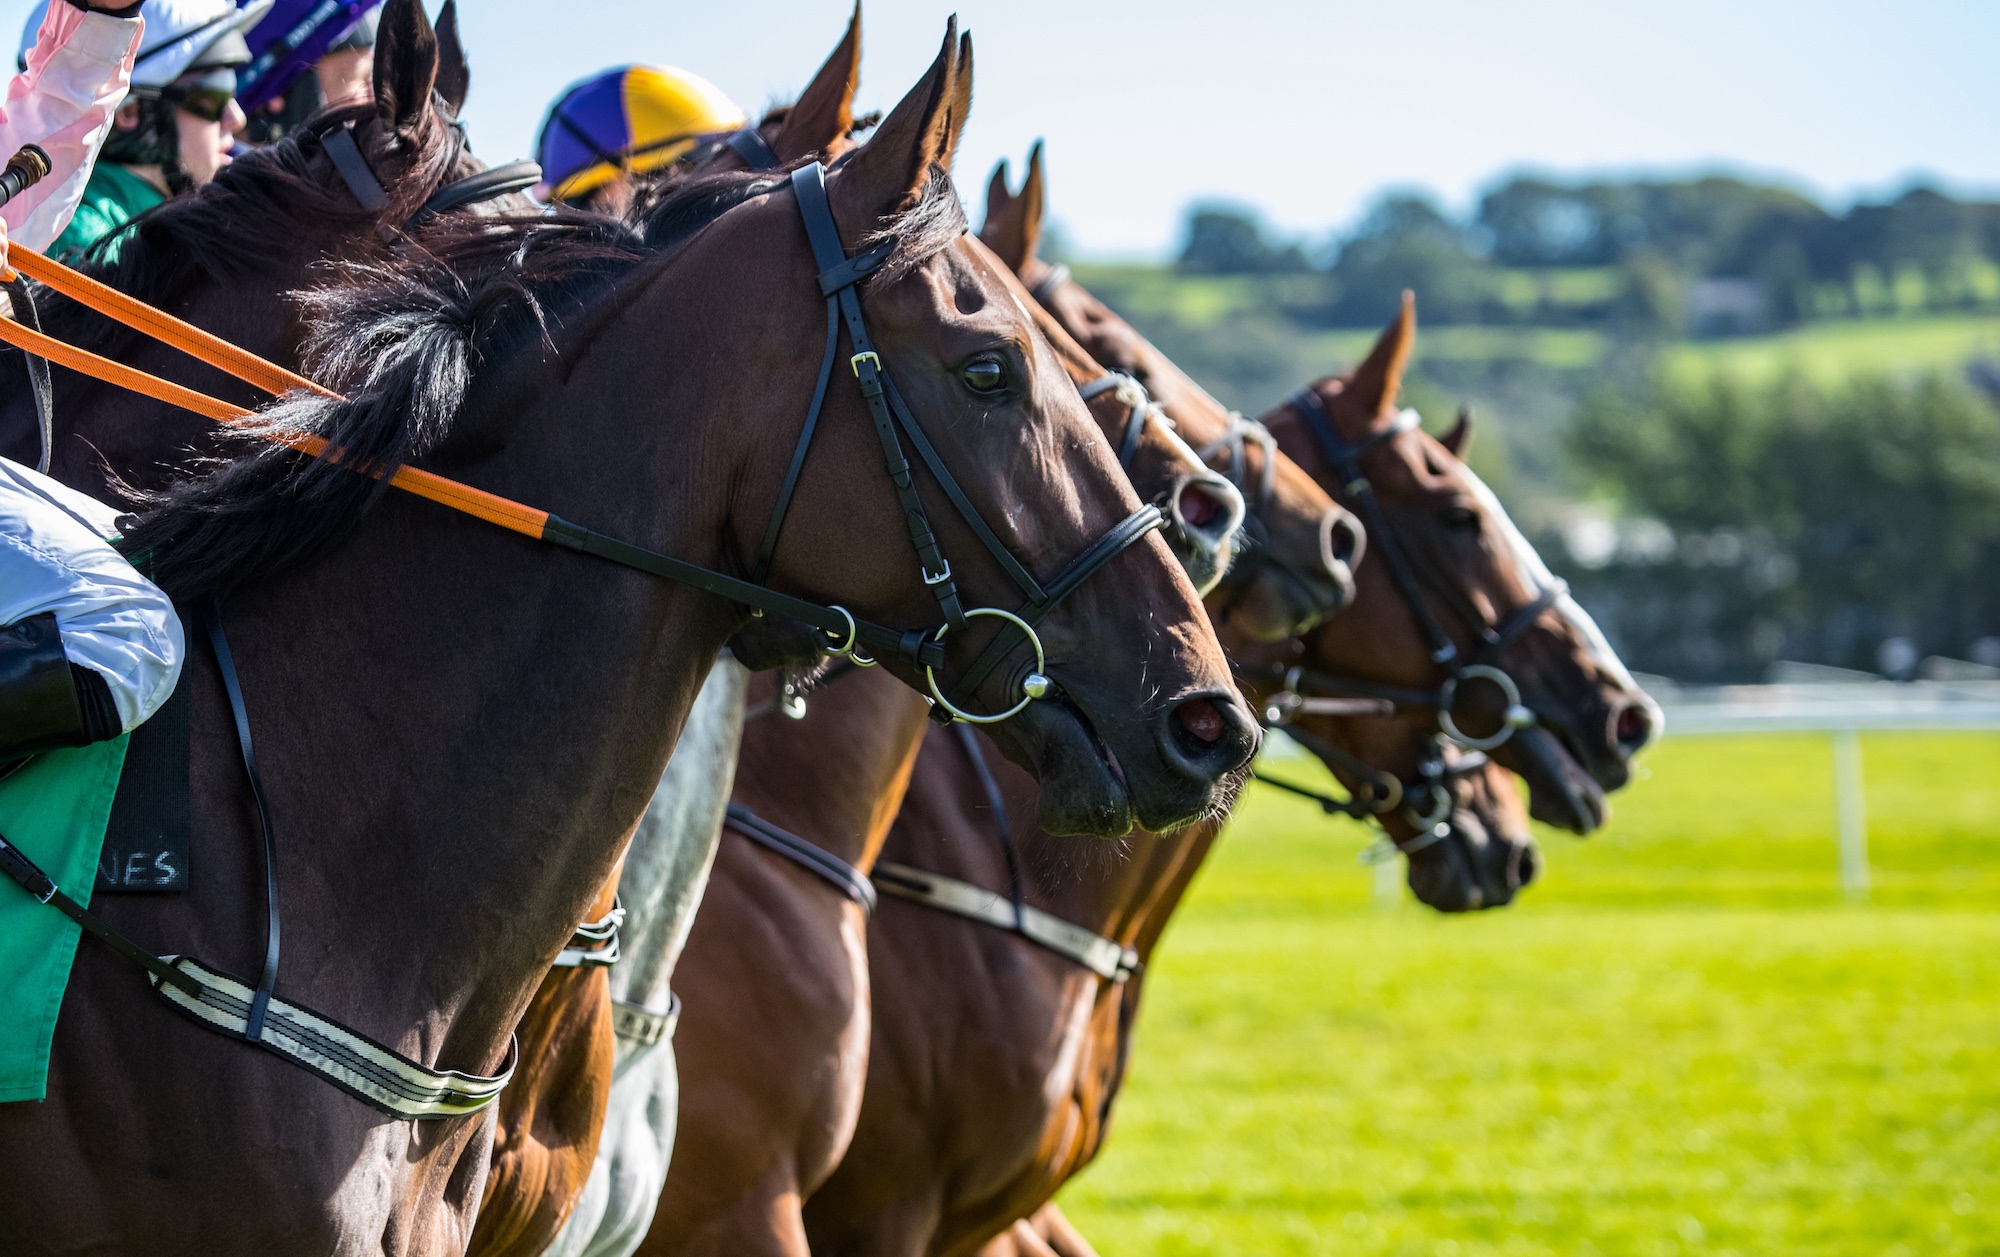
(55, 556)
(76, 78)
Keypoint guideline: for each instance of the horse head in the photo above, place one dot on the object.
(1460, 631)
(1293, 559)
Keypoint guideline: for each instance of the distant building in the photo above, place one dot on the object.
(1727, 307)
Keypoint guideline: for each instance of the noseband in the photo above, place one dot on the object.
(1306, 692)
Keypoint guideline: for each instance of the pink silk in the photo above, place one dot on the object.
(76, 78)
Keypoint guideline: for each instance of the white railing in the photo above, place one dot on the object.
(1843, 710)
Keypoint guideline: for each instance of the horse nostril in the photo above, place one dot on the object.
(1529, 864)
(1198, 508)
(1200, 719)
(1632, 728)
(1342, 541)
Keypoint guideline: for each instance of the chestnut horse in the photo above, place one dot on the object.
(984, 1097)
(613, 1077)
(487, 781)
(774, 1037)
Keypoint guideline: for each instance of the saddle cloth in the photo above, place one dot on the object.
(55, 809)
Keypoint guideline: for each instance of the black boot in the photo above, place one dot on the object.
(46, 701)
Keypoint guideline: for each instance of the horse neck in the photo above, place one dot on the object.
(836, 778)
(666, 867)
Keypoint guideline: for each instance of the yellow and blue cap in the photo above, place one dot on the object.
(630, 119)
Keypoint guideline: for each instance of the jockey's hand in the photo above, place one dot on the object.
(7, 273)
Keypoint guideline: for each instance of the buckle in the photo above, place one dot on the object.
(855, 361)
(941, 577)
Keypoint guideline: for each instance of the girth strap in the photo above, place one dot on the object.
(1104, 957)
(642, 1026)
(378, 1076)
(810, 856)
(595, 943)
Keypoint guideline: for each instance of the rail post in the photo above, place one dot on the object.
(1851, 813)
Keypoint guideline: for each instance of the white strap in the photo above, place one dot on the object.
(1102, 956)
(360, 1066)
(643, 1026)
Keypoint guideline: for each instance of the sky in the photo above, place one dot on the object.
(1309, 110)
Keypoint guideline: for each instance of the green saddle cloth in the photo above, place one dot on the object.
(55, 810)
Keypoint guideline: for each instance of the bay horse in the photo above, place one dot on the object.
(984, 1097)
(228, 259)
(773, 1040)
(1483, 855)
(584, 1133)
(471, 824)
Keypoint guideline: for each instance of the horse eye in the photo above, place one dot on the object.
(1461, 519)
(984, 375)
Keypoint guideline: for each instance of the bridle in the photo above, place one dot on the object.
(1249, 561)
(839, 274)
(1307, 692)
(336, 140)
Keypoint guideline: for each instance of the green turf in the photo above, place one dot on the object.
(1682, 1042)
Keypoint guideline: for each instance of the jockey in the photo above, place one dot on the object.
(605, 129)
(88, 647)
(175, 130)
(306, 55)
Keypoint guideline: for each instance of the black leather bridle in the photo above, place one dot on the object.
(839, 275)
(336, 139)
(1307, 692)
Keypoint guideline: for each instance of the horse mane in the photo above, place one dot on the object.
(224, 232)
(404, 338)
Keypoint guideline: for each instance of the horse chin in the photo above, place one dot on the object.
(1278, 606)
(1083, 789)
(1561, 793)
(1475, 866)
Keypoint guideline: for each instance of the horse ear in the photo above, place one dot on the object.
(999, 206)
(1460, 435)
(824, 113)
(454, 76)
(1014, 223)
(1378, 379)
(961, 98)
(892, 169)
(406, 65)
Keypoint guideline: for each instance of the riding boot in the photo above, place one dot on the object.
(46, 701)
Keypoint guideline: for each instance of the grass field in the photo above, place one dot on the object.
(1682, 1041)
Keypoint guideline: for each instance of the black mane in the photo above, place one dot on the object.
(404, 339)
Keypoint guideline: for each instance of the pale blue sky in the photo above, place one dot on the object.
(1309, 109)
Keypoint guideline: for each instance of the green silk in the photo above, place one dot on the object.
(55, 810)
